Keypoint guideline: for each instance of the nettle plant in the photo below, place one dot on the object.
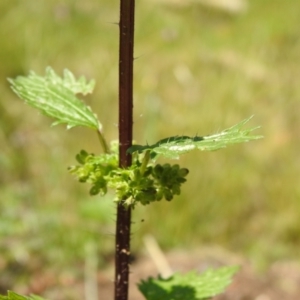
(143, 182)
(131, 170)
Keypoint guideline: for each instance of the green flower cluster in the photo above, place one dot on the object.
(95, 170)
(132, 185)
(155, 183)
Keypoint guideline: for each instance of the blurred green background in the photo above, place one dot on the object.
(199, 69)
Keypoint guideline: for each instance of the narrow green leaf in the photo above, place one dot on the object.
(190, 286)
(55, 97)
(174, 146)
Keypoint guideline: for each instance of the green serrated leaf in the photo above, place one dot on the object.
(35, 297)
(14, 296)
(190, 286)
(173, 147)
(55, 97)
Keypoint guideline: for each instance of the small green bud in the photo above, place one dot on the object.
(103, 190)
(82, 179)
(168, 195)
(167, 166)
(81, 157)
(180, 180)
(159, 195)
(176, 189)
(148, 171)
(94, 190)
(158, 170)
(183, 172)
(175, 167)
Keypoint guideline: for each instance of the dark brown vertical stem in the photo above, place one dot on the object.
(125, 140)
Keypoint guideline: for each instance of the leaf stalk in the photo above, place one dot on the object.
(102, 141)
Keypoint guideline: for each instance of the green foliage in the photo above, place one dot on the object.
(14, 296)
(95, 170)
(190, 286)
(137, 184)
(173, 147)
(230, 76)
(55, 97)
(243, 192)
(143, 182)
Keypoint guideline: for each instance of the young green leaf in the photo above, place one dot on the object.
(174, 146)
(55, 97)
(190, 286)
(14, 296)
